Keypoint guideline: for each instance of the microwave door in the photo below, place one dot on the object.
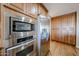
(22, 26)
(17, 25)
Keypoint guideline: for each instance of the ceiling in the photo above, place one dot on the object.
(56, 9)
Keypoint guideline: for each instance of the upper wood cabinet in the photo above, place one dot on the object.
(34, 9)
(18, 5)
(31, 9)
(42, 10)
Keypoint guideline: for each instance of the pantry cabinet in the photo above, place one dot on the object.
(63, 28)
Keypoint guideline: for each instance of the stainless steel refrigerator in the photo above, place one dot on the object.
(42, 28)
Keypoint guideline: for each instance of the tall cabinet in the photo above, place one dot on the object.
(63, 28)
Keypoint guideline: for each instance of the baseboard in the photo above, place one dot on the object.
(63, 42)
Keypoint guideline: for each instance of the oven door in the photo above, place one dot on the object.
(28, 50)
(24, 49)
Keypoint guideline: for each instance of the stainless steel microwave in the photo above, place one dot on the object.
(17, 25)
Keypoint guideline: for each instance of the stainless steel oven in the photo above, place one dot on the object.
(25, 49)
(17, 29)
(20, 30)
(18, 34)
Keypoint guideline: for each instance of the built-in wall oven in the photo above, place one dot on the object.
(21, 30)
(24, 49)
(18, 31)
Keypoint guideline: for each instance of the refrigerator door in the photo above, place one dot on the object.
(44, 42)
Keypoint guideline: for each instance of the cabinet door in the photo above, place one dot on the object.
(31, 9)
(59, 29)
(18, 5)
(34, 10)
(64, 21)
(56, 29)
(27, 8)
(55, 23)
(42, 10)
(71, 26)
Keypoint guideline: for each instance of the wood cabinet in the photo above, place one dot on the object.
(56, 29)
(18, 5)
(31, 9)
(0, 21)
(35, 9)
(42, 10)
(27, 8)
(63, 28)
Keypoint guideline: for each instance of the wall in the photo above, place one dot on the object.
(0, 24)
(56, 9)
(77, 30)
